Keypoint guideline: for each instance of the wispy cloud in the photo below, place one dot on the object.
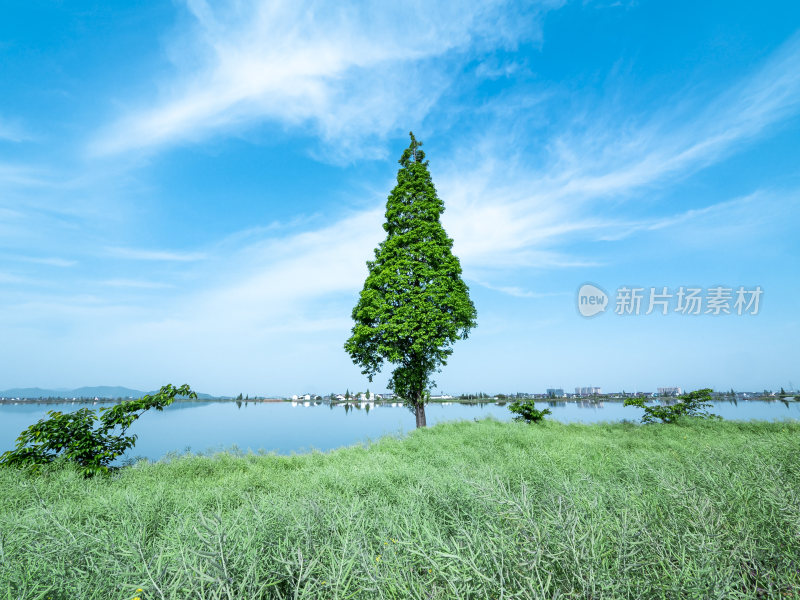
(136, 284)
(23, 176)
(9, 278)
(513, 214)
(155, 255)
(12, 131)
(347, 78)
(614, 154)
(349, 73)
(517, 291)
(281, 277)
(50, 261)
(716, 215)
(499, 220)
(504, 215)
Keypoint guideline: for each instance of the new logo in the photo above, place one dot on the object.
(592, 300)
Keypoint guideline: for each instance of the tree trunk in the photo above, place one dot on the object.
(419, 411)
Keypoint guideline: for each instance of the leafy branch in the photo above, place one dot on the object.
(74, 436)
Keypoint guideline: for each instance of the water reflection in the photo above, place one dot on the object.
(287, 427)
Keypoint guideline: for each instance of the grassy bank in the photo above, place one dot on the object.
(465, 510)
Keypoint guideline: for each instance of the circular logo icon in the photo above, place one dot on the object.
(592, 300)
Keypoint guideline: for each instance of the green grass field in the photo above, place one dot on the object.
(462, 510)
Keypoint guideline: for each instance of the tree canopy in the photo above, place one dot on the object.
(414, 304)
(693, 404)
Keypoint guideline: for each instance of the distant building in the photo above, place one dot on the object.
(588, 391)
(669, 391)
(555, 392)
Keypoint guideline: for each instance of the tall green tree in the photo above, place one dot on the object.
(414, 304)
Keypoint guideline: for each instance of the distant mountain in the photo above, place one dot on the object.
(100, 391)
(32, 393)
(105, 391)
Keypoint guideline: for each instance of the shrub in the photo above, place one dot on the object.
(74, 438)
(526, 411)
(692, 404)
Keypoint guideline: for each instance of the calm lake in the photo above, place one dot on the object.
(286, 427)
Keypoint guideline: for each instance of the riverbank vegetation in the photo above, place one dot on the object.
(697, 509)
(92, 440)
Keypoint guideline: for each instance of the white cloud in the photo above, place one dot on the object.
(615, 155)
(353, 73)
(739, 212)
(498, 219)
(11, 131)
(8, 278)
(136, 284)
(50, 261)
(267, 283)
(327, 70)
(506, 214)
(517, 291)
(503, 215)
(22, 176)
(155, 255)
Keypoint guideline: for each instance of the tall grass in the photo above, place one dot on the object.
(462, 510)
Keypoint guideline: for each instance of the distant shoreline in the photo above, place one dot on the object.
(500, 401)
(98, 400)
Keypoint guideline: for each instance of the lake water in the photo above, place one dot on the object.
(286, 427)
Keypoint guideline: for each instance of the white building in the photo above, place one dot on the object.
(588, 391)
(669, 391)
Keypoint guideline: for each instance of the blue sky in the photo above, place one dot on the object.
(189, 191)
